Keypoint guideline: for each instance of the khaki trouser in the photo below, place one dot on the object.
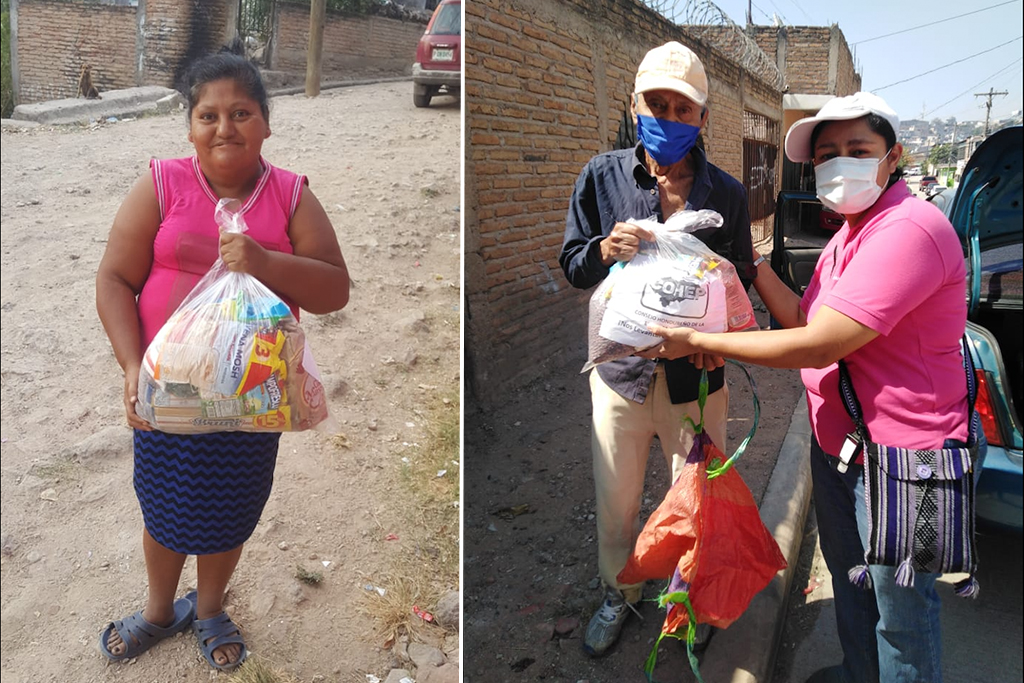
(621, 437)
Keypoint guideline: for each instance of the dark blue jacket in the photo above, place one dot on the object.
(616, 187)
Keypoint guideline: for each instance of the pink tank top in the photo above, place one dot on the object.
(187, 242)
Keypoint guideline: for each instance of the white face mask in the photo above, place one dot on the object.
(847, 185)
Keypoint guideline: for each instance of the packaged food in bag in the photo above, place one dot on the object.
(675, 281)
(232, 357)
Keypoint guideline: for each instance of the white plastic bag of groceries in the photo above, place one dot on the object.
(232, 357)
(675, 281)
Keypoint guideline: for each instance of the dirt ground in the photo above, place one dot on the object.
(530, 566)
(388, 175)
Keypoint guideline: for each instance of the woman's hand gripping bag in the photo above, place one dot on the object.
(232, 357)
(675, 281)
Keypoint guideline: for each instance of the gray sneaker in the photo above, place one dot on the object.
(606, 624)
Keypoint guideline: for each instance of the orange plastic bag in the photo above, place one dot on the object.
(707, 534)
(669, 539)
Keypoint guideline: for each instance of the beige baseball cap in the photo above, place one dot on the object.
(675, 67)
(798, 139)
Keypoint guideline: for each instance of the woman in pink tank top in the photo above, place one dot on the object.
(203, 494)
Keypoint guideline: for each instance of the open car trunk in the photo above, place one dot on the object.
(987, 215)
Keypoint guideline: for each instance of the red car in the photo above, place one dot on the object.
(438, 66)
(926, 181)
(830, 220)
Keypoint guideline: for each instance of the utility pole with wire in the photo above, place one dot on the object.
(988, 104)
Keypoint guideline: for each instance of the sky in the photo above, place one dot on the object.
(895, 67)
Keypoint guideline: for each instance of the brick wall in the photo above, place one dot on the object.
(847, 80)
(349, 42)
(174, 33)
(817, 59)
(127, 46)
(547, 83)
(56, 38)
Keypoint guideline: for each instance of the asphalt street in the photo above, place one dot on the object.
(981, 638)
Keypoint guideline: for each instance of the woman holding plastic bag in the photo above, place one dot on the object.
(203, 494)
(886, 302)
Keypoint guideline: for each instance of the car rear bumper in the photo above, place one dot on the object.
(449, 77)
(998, 497)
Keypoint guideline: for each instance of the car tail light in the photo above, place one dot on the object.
(987, 411)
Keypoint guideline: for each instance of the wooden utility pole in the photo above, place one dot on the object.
(315, 52)
(988, 104)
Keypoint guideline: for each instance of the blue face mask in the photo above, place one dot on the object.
(666, 141)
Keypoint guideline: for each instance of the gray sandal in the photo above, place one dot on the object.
(139, 635)
(216, 632)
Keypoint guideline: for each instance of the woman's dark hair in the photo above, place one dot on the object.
(877, 125)
(228, 63)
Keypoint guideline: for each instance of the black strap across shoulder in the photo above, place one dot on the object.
(853, 408)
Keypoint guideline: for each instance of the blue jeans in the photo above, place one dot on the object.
(889, 634)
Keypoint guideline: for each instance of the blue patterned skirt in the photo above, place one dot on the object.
(203, 493)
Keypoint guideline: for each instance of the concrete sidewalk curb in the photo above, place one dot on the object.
(745, 652)
(299, 89)
(139, 101)
(148, 99)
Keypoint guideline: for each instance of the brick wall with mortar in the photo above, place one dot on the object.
(388, 45)
(56, 38)
(126, 46)
(817, 59)
(174, 33)
(547, 84)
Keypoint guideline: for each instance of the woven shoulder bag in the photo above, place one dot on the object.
(920, 502)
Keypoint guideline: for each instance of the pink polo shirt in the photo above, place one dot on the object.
(902, 274)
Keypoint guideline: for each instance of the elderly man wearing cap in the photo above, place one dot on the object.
(635, 399)
(886, 296)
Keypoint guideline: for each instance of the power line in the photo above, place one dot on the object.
(940, 21)
(766, 15)
(778, 13)
(976, 54)
(973, 108)
(988, 105)
(980, 83)
(1011, 75)
(802, 11)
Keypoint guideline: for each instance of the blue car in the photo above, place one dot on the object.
(985, 209)
(987, 214)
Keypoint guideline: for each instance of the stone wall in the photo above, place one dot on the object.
(547, 85)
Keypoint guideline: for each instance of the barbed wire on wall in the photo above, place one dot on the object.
(706, 21)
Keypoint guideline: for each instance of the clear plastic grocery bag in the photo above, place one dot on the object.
(232, 357)
(675, 281)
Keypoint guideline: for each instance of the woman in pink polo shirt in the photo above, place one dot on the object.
(887, 295)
